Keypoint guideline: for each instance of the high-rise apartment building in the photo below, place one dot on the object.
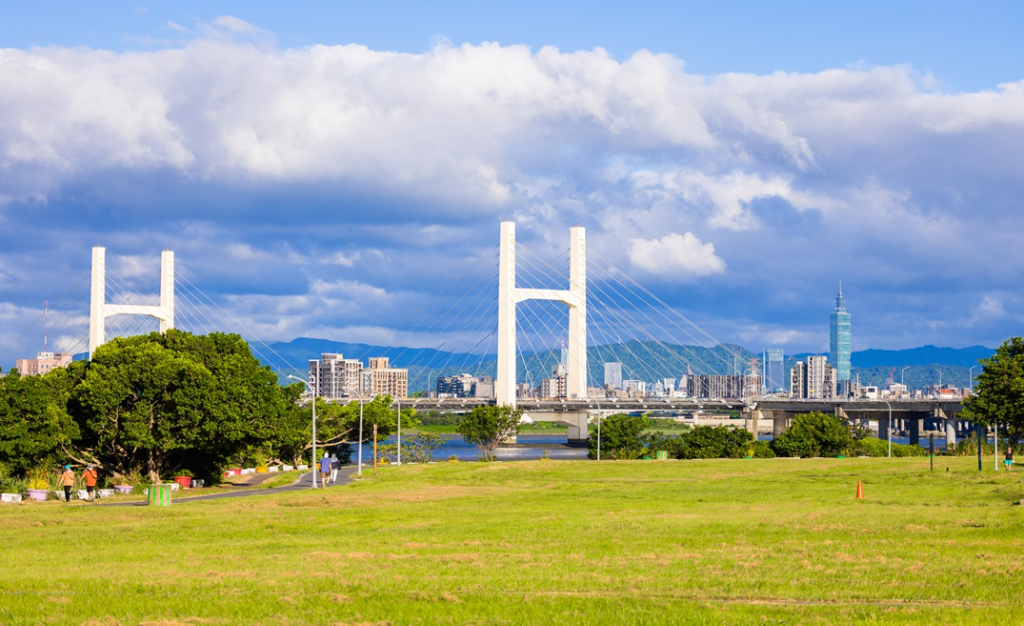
(613, 375)
(380, 379)
(839, 346)
(335, 376)
(815, 379)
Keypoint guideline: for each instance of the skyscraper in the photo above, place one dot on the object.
(613, 375)
(839, 346)
(774, 372)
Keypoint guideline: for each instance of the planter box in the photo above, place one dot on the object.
(175, 486)
(10, 497)
(286, 468)
(184, 481)
(104, 493)
(273, 469)
(261, 469)
(124, 489)
(37, 494)
(83, 494)
(302, 467)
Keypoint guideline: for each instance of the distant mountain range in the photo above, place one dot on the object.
(642, 360)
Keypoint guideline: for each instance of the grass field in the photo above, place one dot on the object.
(771, 541)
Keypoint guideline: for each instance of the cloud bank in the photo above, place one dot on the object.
(298, 183)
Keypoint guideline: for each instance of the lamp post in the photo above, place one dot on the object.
(889, 429)
(312, 392)
(359, 453)
(970, 378)
(902, 380)
(399, 432)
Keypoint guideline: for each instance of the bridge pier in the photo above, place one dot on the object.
(884, 427)
(950, 432)
(915, 431)
(779, 424)
(751, 417)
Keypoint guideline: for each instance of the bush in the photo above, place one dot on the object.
(622, 437)
(713, 442)
(763, 450)
(814, 434)
(873, 446)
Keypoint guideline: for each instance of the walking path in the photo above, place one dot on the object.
(305, 481)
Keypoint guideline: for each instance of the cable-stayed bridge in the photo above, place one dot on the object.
(514, 313)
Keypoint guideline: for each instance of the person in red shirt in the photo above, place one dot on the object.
(90, 481)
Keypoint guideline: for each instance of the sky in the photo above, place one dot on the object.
(325, 169)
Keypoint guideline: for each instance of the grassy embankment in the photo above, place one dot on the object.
(724, 541)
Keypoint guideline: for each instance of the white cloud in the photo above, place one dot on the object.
(677, 256)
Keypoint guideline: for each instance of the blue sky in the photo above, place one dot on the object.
(737, 158)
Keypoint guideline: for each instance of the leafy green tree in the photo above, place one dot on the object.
(999, 392)
(814, 434)
(487, 426)
(35, 426)
(622, 437)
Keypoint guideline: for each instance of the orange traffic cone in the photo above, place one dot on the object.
(860, 491)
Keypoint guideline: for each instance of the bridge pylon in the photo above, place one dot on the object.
(100, 310)
(509, 295)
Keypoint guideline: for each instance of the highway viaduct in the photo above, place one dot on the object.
(901, 414)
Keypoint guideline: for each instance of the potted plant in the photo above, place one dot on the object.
(122, 484)
(261, 462)
(184, 478)
(38, 483)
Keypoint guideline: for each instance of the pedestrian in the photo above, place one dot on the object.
(90, 481)
(325, 469)
(1008, 459)
(335, 464)
(67, 480)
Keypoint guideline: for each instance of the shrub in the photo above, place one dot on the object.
(814, 434)
(713, 442)
(873, 446)
(763, 450)
(420, 449)
(622, 437)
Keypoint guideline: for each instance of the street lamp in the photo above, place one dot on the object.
(902, 381)
(312, 393)
(970, 378)
(399, 432)
(889, 429)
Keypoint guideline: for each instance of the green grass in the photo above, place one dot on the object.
(718, 542)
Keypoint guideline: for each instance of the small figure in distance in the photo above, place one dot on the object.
(1008, 459)
(67, 480)
(335, 464)
(90, 481)
(325, 469)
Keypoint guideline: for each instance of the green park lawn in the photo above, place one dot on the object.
(762, 541)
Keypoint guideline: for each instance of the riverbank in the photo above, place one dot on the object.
(544, 542)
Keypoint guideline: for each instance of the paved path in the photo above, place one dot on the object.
(305, 481)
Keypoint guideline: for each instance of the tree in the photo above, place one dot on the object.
(487, 426)
(622, 437)
(814, 434)
(999, 392)
(163, 402)
(35, 427)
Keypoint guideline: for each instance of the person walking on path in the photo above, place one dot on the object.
(1008, 459)
(90, 481)
(325, 469)
(67, 480)
(335, 464)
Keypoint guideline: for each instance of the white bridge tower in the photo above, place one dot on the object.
(99, 310)
(509, 295)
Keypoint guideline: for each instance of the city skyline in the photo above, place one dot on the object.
(325, 183)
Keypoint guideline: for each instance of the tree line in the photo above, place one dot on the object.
(157, 404)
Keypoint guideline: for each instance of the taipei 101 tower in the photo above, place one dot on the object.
(839, 352)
